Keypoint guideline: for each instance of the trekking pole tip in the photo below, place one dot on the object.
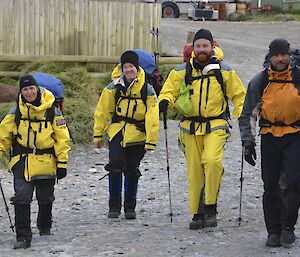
(240, 220)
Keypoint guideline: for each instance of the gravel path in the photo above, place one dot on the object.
(81, 227)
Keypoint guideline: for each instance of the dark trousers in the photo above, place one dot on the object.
(24, 189)
(123, 160)
(280, 163)
(126, 160)
(23, 197)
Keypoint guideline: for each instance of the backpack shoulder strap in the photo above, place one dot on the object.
(264, 81)
(296, 78)
(188, 73)
(144, 91)
(17, 114)
(117, 95)
(219, 77)
(50, 113)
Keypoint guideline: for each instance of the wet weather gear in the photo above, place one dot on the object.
(45, 145)
(203, 135)
(139, 123)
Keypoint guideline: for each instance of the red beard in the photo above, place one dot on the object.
(203, 57)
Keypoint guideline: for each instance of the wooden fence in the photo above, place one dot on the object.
(76, 27)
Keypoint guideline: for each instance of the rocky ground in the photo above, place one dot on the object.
(81, 227)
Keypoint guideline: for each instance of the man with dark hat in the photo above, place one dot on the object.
(39, 155)
(127, 115)
(274, 96)
(204, 129)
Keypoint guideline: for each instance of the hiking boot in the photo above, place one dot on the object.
(22, 244)
(197, 222)
(45, 232)
(287, 238)
(129, 208)
(273, 240)
(210, 220)
(113, 214)
(130, 215)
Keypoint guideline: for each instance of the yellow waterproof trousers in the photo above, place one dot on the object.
(203, 154)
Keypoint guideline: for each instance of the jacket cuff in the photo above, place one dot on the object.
(62, 165)
(98, 138)
(149, 146)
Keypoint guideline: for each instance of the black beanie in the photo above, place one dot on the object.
(26, 81)
(204, 33)
(279, 46)
(130, 57)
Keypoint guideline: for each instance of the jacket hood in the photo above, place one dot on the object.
(47, 100)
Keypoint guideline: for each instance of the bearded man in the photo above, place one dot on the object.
(273, 96)
(203, 133)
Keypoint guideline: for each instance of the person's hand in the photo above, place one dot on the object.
(163, 106)
(250, 154)
(61, 173)
(99, 144)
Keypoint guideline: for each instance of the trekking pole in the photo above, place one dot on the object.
(71, 135)
(104, 176)
(241, 187)
(168, 167)
(6, 207)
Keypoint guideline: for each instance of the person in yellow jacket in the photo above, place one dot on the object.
(40, 146)
(204, 131)
(127, 114)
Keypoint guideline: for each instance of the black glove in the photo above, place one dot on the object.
(163, 106)
(250, 154)
(61, 173)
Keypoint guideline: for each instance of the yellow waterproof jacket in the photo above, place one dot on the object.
(206, 95)
(138, 121)
(45, 144)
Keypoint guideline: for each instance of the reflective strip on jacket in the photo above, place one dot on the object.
(130, 108)
(207, 96)
(37, 135)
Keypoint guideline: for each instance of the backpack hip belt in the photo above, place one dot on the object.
(263, 123)
(19, 149)
(140, 124)
(202, 120)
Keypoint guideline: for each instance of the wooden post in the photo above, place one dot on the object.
(190, 36)
(82, 38)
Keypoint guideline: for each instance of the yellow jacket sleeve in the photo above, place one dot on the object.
(62, 141)
(104, 111)
(7, 130)
(236, 92)
(152, 122)
(171, 88)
